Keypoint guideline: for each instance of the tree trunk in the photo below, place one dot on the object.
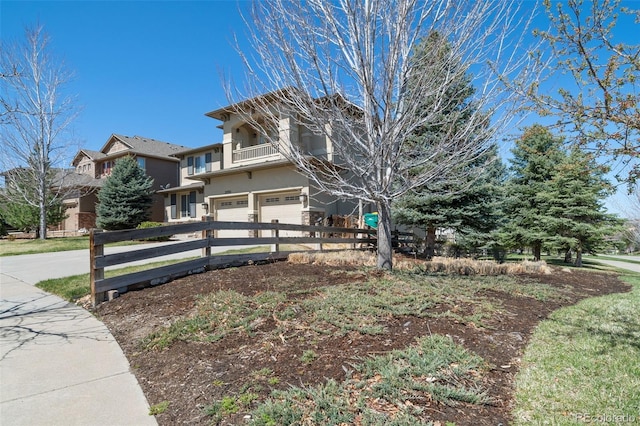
(430, 243)
(537, 249)
(42, 205)
(385, 250)
(578, 257)
(567, 256)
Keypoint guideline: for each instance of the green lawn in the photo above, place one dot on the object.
(77, 286)
(18, 247)
(581, 365)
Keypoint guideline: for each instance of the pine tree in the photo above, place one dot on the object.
(472, 210)
(126, 197)
(455, 203)
(578, 219)
(536, 157)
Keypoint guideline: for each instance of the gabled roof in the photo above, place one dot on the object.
(136, 145)
(249, 103)
(93, 155)
(144, 146)
(335, 100)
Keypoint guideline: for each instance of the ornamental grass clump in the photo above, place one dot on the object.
(443, 265)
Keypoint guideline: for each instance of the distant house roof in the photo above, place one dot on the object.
(136, 145)
(147, 146)
(93, 155)
(68, 178)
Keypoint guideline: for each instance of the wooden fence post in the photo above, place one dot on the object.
(96, 274)
(317, 246)
(275, 233)
(207, 234)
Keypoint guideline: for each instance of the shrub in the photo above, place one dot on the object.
(147, 225)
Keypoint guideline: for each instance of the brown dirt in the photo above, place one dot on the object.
(192, 375)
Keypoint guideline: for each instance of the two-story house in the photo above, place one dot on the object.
(93, 167)
(245, 178)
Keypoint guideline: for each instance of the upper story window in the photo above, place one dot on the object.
(142, 162)
(199, 164)
(106, 168)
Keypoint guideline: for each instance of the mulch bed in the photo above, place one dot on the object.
(192, 375)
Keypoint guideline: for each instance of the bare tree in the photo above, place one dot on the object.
(602, 108)
(344, 68)
(36, 115)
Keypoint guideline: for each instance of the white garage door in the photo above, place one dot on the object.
(285, 207)
(232, 210)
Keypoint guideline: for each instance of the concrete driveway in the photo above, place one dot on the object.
(59, 365)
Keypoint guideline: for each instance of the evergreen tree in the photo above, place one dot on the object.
(18, 213)
(126, 197)
(26, 217)
(450, 203)
(577, 217)
(536, 157)
(472, 210)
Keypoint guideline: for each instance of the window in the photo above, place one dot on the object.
(188, 205)
(199, 164)
(242, 202)
(142, 163)
(292, 198)
(106, 168)
(184, 206)
(174, 207)
(189, 166)
(273, 200)
(192, 204)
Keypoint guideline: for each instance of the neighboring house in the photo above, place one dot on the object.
(244, 178)
(93, 167)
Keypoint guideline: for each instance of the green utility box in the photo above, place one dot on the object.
(371, 220)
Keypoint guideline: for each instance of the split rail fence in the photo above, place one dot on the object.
(316, 236)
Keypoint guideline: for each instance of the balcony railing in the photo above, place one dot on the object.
(252, 152)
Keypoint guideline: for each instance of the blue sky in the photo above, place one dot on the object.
(148, 68)
(141, 68)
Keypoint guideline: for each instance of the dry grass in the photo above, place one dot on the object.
(437, 265)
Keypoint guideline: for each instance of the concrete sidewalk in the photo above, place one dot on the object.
(59, 365)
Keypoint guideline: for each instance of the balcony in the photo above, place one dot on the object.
(254, 152)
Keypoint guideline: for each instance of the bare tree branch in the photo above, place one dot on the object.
(340, 69)
(36, 115)
(602, 110)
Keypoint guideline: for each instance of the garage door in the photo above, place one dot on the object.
(285, 207)
(231, 210)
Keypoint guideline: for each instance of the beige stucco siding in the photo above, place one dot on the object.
(257, 180)
(215, 164)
